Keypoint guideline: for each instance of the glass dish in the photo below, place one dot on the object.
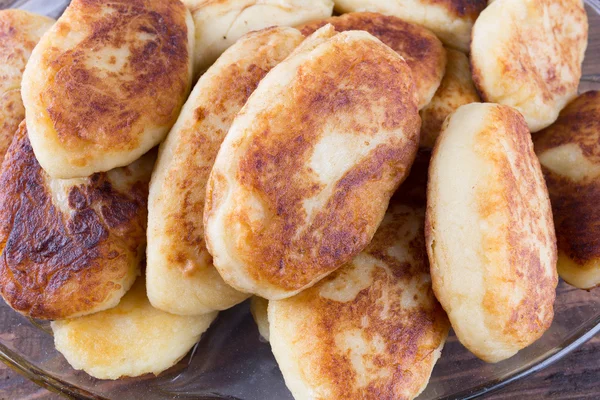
(231, 362)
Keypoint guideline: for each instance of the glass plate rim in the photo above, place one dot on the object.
(575, 340)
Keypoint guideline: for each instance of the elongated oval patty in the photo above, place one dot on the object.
(181, 277)
(129, 340)
(69, 247)
(420, 48)
(106, 83)
(450, 20)
(220, 23)
(569, 151)
(489, 229)
(372, 329)
(527, 54)
(305, 173)
(456, 89)
(19, 32)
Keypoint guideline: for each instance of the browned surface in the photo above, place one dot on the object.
(518, 60)
(456, 89)
(334, 89)
(408, 335)
(517, 196)
(502, 233)
(199, 141)
(461, 8)
(535, 64)
(55, 265)
(90, 106)
(421, 49)
(19, 33)
(575, 204)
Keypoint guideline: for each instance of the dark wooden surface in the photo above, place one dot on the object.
(575, 377)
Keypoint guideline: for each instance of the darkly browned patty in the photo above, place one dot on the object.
(73, 247)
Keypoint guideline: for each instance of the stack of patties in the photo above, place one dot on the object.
(282, 178)
(101, 90)
(102, 87)
(372, 329)
(305, 173)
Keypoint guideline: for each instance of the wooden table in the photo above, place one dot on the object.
(575, 377)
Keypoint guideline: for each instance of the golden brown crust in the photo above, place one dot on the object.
(177, 256)
(394, 337)
(527, 54)
(330, 96)
(450, 20)
(56, 264)
(517, 198)
(456, 89)
(106, 83)
(184, 223)
(575, 202)
(420, 48)
(19, 33)
(489, 230)
(11, 106)
(88, 106)
(132, 339)
(205, 135)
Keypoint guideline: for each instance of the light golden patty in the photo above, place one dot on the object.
(220, 23)
(456, 89)
(258, 308)
(421, 49)
(106, 83)
(450, 20)
(69, 247)
(373, 329)
(489, 229)
(569, 151)
(527, 54)
(180, 275)
(305, 173)
(131, 339)
(19, 33)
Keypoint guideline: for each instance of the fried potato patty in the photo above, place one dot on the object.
(69, 247)
(129, 340)
(180, 274)
(490, 234)
(106, 83)
(420, 48)
(20, 32)
(450, 20)
(569, 151)
(304, 176)
(527, 54)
